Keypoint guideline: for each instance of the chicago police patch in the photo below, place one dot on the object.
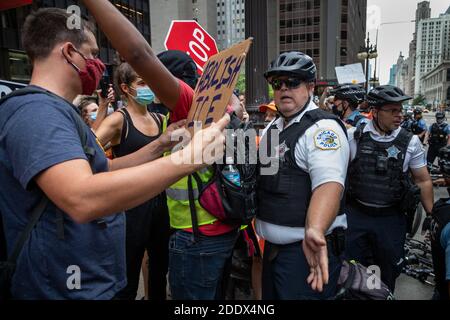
(327, 140)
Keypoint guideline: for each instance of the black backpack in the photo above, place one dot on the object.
(353, 284)
(229, 203)
(8, 263)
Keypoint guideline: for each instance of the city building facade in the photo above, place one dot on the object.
(331, 32)
(163, 12)
(402, 73)
(433, 47)
(393, 75)
(14, 63)
(436, 85)
(423, 11)
(230, 22)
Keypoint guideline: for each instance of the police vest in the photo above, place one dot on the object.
(283, 198)
(178, 202)
(376, 174)
(438, 135)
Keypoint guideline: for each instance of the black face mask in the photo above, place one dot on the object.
(337, 112)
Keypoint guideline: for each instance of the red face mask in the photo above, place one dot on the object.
(90, 77)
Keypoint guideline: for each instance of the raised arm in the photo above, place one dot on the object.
(133, 47)
(110, 129)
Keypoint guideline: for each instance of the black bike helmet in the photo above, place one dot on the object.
(293, 64)
(417, 111)
(440, 115)
(387, 94)
(444, 162)
(353, 93)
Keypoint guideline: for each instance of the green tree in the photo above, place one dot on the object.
(270, 92)
(419, 100)
(241, 83)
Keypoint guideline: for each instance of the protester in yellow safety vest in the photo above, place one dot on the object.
(196, 268)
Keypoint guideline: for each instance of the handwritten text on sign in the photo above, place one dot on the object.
(216, 85)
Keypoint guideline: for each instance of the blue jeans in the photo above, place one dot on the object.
(196, 268)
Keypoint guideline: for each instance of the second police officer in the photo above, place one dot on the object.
(296, 222)
(438, 137)
(347, 98)
(418, 125)
(382, 155)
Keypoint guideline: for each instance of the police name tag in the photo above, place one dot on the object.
(327, 140)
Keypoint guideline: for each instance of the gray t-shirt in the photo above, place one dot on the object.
(38, 131)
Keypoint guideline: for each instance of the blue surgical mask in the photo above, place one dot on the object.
(144, 96)
(93, 116)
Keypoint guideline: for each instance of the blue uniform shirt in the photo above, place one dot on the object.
(355, 114)
(422, 124)
(37, 132)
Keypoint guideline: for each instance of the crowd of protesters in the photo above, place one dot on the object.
(108, 200)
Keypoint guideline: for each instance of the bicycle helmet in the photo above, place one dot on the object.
(351, 92)
(387, 94)
(294, 64)
(417, 111)
(440, 115)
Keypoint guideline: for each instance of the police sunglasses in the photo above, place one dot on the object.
(290, 83)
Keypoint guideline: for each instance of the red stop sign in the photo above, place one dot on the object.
(188, 36)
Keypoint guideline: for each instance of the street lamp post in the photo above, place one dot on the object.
(368, 52)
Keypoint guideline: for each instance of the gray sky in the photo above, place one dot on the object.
(393, 38)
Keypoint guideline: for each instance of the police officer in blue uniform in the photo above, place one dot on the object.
(298, 204)
(347, 98)
(438, 137)
(382, 155)
(418, 125)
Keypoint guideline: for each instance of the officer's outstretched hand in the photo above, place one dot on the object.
(315, 250)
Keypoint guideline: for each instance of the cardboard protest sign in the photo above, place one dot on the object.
(351, 73)
(216, 85)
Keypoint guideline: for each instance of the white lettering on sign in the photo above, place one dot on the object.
(199, 48)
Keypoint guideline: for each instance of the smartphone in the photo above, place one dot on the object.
(104, 85)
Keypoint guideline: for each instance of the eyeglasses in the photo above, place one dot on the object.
(392, 111)
(290, 83)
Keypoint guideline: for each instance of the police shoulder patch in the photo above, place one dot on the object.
(327, 140)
